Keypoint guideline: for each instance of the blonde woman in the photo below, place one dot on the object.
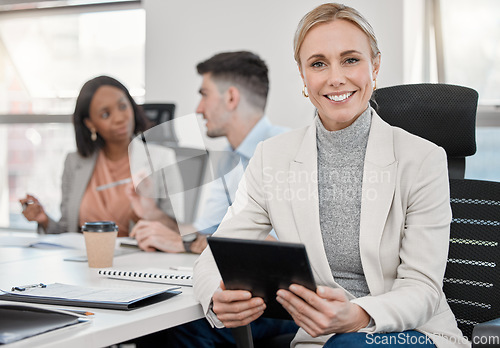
(374, 213)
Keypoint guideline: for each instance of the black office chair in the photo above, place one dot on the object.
(444, 114)
(159, 113)
(472, 277)
(192, 164)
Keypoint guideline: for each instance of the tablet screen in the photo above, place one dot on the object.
(262, 267)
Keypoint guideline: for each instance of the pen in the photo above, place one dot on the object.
(86, 313)
(185, 269)
(25, 204)
(24, 287)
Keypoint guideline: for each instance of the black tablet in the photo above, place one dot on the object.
(262, 267)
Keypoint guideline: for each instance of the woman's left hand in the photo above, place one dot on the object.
(322, 312)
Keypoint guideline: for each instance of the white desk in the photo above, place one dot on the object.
(20, 266)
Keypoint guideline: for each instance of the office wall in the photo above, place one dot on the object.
(179, 34)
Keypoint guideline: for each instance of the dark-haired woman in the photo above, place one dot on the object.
(105, 119)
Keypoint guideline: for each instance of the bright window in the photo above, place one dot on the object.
(471, 52)
(45, 57)
(35, 160)
(485, 164)
(471, 43)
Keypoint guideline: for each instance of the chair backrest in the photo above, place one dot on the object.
(192, 164)
(159, 113)
(472, 277)
(444, 114)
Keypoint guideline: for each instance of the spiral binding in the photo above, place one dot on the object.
(157, 277)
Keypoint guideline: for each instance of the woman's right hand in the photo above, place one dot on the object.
(236, 307)
(33, 210)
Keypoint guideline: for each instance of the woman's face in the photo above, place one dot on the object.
(111, 115)
(338, 71)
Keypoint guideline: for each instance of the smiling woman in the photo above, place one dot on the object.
(375, 223)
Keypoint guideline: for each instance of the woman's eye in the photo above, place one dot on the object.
(351, 60)
(122, 106)
(317, 64)
(105, 115)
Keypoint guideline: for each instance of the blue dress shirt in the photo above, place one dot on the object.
(223, 189)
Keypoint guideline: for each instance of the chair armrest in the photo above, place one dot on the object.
(486, 334)
(243, 336)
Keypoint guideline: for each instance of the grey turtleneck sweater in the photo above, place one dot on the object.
(341, 157)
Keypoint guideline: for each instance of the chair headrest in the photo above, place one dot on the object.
(441, 113)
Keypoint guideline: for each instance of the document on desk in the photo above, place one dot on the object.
(70, 240)
(71, 295)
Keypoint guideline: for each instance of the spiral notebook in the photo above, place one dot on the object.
(153, 275)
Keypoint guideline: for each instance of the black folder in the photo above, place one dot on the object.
(262, 267)
(18, 322)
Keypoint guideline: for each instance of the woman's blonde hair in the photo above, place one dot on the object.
(326, 13)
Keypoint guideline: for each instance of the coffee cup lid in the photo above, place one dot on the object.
(100, 226)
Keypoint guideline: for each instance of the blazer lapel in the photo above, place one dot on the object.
(83, 172)
(379, 181)
(305, 203)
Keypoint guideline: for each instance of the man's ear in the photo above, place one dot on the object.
(232, 98)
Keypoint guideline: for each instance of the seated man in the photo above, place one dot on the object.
(233, 98)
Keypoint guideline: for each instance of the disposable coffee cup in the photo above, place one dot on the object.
(100, 238)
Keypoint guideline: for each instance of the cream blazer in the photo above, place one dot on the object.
(404, 227)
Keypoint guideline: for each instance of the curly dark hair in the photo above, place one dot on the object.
(84, 144)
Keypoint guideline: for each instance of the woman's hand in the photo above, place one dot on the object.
(33, 210)
(322, 312)
(236, 307)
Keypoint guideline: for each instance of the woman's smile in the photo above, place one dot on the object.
(339, 97)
